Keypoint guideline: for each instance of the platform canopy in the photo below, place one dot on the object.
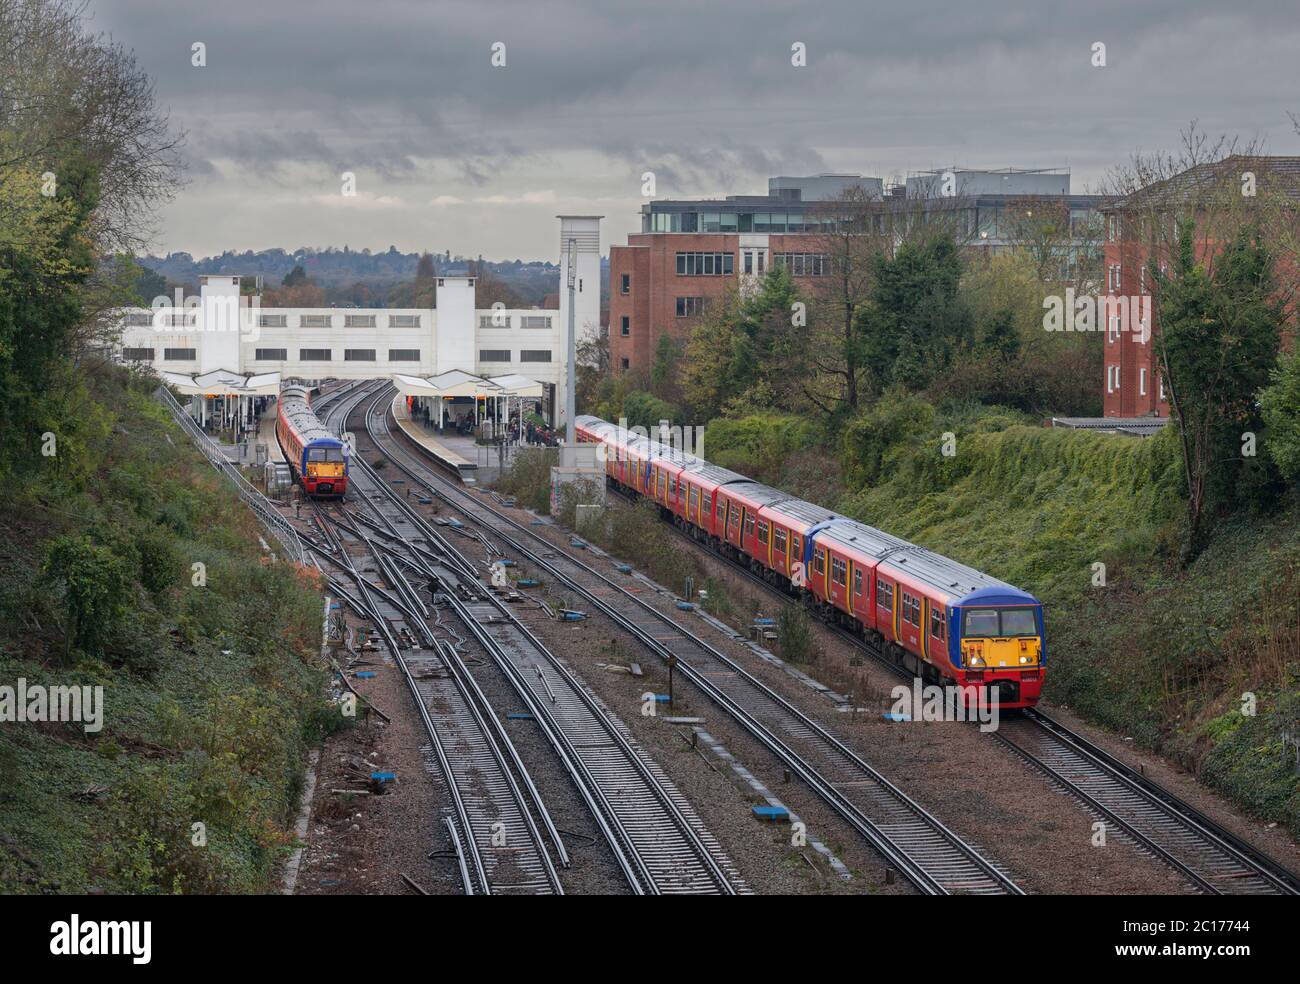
(223, 382)
(516, 385)
(457, 382)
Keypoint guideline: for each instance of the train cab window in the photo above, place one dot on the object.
(839, 571)
(778, 540)
(324, 454)
(885, 594)
(819, 561)
(857, 581)
(983, 623)
(938, 627)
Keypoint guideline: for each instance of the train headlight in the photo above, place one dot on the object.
(1024, 660)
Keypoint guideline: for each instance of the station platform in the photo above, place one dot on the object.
(442, 447)
(266, 433)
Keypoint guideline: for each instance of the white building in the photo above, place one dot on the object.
(215, 331)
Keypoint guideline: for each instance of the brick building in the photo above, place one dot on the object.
(1133, 383)
(690, 252)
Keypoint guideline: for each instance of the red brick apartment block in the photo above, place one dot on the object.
(1133, 383)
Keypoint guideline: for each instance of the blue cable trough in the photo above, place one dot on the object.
(383, 776)
(566, 615)
(623, 568)
(519, 716)
(772, 814)
(661, 698)
(891, 716)
(505, 562)
(424, 500)
(527, 582)
(365, 674)
(686, 606)
(577, 544)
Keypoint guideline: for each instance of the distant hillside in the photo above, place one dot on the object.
(338, 270)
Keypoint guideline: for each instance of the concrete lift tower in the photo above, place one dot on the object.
(579, 301)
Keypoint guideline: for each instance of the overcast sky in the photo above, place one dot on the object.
(451, 152)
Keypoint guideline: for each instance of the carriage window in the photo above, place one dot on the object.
(839, 571)
(885, 595)
(762, 532)
(749, 523)
(938, 628)
(821, 561)
(695, 497)
(857, 582)
(708, 503)
(778, 540)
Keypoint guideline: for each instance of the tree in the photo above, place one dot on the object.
(917, 318)
(1218, 338)
(1280, 408)
(851, 241)
(295, 277)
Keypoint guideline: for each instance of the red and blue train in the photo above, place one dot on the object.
(318, 459)
(943, 621)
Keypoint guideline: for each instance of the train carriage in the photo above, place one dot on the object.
(940, 619)
(318, 459)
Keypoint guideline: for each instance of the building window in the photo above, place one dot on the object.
(403, 355)
(705, 264)
(535, 355)
(535, 321)
(1112, 379)
(179, 354)
(494, 320)
(314, 321)
(689, 307)
(271, 355)
(358, 355)
(1161, 381)
(1113, 277)
(494, 355)
(625, 326)
(403, 321)
(138, 319)
(625, 284)
(273, 321)
(623, 363)
(137, 354)
(802, 264)
(1142, 382)
(1112, 329)
(314, 355)
(358, 321)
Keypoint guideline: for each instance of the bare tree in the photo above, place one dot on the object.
(69, 97)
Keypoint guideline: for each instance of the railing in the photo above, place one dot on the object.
(262, 507)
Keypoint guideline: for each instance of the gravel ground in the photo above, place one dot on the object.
(363, 844)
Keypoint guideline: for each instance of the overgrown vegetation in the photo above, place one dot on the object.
(125, 564)
(211, 693)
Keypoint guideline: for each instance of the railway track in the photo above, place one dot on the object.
(918, 845)
(499, 846)
(1212, 858)
(659, 842)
